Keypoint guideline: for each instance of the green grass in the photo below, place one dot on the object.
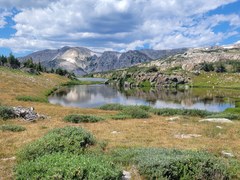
(227, 115)
(79, 118)
(31, 99)
(77, 82)
(120, 116)
(6, 113)
(13, 128)
(184, 112)
(135, 112)
(213, 79)
(69, 139)
(112, 107)
(153, 163)
(69, 166)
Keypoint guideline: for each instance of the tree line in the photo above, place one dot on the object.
(12, 62)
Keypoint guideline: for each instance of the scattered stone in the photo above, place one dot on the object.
(115, 132)
(126, 175)
(173, 118)
(219, 127)
(187, 136)
(217, 120)
(27, 114)
(227, 154)
(9, 159)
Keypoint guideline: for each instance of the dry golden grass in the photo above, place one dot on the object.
(153, 132)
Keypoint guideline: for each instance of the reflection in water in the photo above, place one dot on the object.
(96, 95)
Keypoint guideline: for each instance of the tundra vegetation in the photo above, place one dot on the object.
(92, 144)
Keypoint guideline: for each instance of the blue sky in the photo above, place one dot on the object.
(119, 25)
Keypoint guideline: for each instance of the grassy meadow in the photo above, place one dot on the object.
(126, 130)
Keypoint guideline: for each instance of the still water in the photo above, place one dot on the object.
(91, 96)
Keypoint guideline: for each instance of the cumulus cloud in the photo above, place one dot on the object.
(117, 24)
(3, 16)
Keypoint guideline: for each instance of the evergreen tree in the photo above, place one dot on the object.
(13, 62)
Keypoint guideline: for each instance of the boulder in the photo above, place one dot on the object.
(27, 114)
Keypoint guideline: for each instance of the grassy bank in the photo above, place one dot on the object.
(154, 131)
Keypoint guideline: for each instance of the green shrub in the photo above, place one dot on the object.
(135, 112)
(78, 118)
(237, 104)
(232, 110)
(231, 116)
(13, 128)
(177, 164)
(112, 107)
(68, 166)
(68, 139)
(144, 107)
(185, 112)
(31, 99)
(120, 116)
(6, 113)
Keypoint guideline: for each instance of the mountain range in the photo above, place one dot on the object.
(82, 61)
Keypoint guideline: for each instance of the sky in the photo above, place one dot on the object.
(31, 25)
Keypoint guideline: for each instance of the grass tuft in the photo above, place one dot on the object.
(13, 128)
(112, 107)
(78, 118)
(184, 112)
(31, 99)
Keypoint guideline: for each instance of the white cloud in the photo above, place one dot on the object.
(118, 24)
(3, 16)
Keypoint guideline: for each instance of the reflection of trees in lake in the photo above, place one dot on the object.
(184, 97)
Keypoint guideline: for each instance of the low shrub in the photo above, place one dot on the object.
(68, 139)
(31, 99)
(78, 118)
(231, 116)
(177, 164)
(68, 166)
(112, 107)
(6, 113)
(185, 112)
(135, 112)
(237, 104)
(232, 110)
(121, 116)
(13, 128)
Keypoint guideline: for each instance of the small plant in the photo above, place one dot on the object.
(6, 113)
(78, 118)
(31, 99)
(69, 139)
(184, 112)
(68, 166)
(135, 112)
(13, 128)
(120, 116)
(112, 107)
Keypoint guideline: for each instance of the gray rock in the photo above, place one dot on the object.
(126, 175)
(187, 136)
(27, 114)
(227, 154)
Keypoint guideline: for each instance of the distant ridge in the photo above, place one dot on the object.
(82, 61)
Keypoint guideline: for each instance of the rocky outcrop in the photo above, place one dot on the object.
(144, 79)
(192, 58)
(27, 114)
